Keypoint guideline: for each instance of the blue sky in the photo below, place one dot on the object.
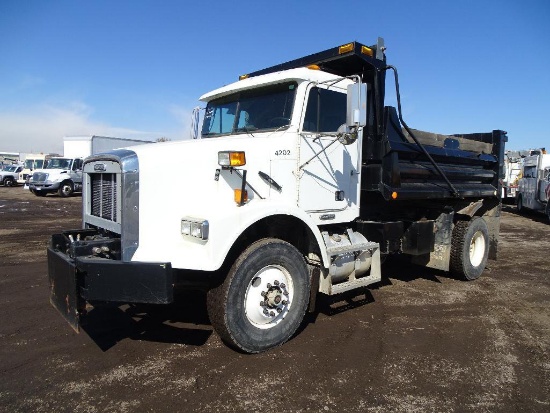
(136, 68)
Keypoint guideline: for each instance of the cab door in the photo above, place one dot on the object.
(328, 170)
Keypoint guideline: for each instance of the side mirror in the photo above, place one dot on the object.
(195, 123)
(356, 115)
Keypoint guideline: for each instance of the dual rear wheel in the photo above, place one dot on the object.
(469, 248)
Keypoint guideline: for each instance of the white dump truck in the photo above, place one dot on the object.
(534, 185)
(301, 180)
(63, 174)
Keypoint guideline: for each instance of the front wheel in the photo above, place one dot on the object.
(8, 181)
(469, 248)
(263, 300)
(66, 189)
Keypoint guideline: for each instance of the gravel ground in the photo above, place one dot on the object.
(418, 341)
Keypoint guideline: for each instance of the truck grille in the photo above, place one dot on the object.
(39, 177)
(103, 196)
(110, 197)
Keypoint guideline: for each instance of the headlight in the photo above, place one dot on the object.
(196, 228)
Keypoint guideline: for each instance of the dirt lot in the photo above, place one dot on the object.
(418, 341)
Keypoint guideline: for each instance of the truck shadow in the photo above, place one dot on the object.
(394, 269)
(536, 216)
(184, 322)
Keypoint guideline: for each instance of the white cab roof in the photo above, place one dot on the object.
(300, 74)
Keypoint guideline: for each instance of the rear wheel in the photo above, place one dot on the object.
(66, 189)
(469, 248)
(263, 300)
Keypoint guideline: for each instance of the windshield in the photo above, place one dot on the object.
(11, 168)
(58, 163)
(265, 108)
(34, 163)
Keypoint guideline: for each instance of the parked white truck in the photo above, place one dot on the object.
(513, 163)
(534, 186)
(33, 161)
(9, 174)
(63, 175)
(301, 181)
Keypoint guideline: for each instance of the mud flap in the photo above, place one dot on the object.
(64, 289)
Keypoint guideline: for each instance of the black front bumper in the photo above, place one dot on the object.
(77, 279)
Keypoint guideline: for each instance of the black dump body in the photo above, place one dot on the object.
(398, 168)
(431, 169)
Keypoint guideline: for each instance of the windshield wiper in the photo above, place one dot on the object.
(245, 129)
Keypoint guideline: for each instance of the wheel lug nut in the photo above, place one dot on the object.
(284, 302)
(266, 312)
(279, 310)
(268, 285)
(272, 314)
(283, 285)
(262, 303)
(276, 282)
(263, 294)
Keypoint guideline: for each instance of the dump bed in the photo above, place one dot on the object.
(398, 166)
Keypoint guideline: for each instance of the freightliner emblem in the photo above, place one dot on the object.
(99, 167)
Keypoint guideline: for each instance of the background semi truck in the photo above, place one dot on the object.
(301, 182)
(533, 189)
(63, 174)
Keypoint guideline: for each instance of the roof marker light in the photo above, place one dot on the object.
(345, 48)
(367, 50)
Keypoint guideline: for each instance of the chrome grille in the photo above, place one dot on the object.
(103, 196)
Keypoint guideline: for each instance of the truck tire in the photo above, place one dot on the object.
(519, 204)
(263, 299)
(66, 189)
(9, 181)
(469, 248)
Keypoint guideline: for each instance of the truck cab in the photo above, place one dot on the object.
(61, 175)
(32, 162)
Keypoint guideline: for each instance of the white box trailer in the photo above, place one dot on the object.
(83, 146)
(63, 174)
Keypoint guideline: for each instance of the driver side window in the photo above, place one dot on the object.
(326, 110)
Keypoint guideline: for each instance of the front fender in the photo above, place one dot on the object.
(254, 212)
(225, 226)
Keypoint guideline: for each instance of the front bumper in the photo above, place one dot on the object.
(76, 276)
(44, 187)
